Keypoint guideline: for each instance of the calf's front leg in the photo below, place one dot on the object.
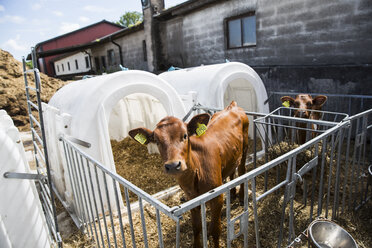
(196, 226)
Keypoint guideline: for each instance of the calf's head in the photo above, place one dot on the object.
(304, 103)
(172, 136)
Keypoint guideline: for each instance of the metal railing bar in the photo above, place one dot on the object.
(217, 109)
(77, 197)
(330, 175)
(337, 186)
(47, 205)
(85, 193)
(28, 71)
(37, 137)
(285, 199)
(69, 169)
(32, 88)
(291, 231)
(81, 190)
(254, 201)
(364, 147)
(72, 214)
(273, 189)
(119, 213)
(359, 115)
(41, 154)
(266, 130)
(326, 94)
(347, 162)
(204, 225)
(33, 105)
(228, 217)
(160, 234)
(161, 206)
(297, 120)
(177, 233)
(102, 208)
(109, 209)
(356, 147)
(129, 211)
(272, 114)
(51, 225)
(245, 234)
(320, 196)
(95, 203)
(313, 183)
(143, 221)
(34, 120)
(46, 192)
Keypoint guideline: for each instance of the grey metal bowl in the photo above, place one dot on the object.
(326, 234)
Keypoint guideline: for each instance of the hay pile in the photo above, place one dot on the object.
(12, 89)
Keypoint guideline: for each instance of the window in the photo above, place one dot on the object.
(241, 31)
(58, 68)
(63, 67)
(87, 62)
(144, 50)
(111, 57)
(68, 65)
(76, 64)
(96, 62)
(103, 62)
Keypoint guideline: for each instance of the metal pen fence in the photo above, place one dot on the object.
(349, 104)
(285, 189)
(42, 175)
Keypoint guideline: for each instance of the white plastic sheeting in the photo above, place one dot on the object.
(217, 85)
(22, 222)
(98, 109)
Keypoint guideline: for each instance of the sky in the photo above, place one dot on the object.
(25, 23)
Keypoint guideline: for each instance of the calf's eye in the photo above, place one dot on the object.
(185, 136)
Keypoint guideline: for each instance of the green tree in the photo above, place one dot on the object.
(29, 64)
(130, 18)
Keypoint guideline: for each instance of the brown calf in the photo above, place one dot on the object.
(304, 103)
(201, 163)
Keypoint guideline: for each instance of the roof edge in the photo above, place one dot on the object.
(77, 30)
(184, 8)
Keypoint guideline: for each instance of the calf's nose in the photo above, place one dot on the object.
(173, 166)
(302, 113)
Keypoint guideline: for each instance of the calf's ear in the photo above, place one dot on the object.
(319, 100)
(142, 135)
(197, 119)
(288, 99)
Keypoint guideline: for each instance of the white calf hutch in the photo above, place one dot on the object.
(93, 111)
(22, 222)
(215, 86)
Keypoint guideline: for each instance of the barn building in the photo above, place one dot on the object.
(297, 46)
(73, 39)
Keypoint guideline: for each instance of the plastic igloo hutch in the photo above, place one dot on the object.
(93, 111)
(215, 86)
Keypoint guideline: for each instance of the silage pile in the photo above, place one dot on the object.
(12, 89)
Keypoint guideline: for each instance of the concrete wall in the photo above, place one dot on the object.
(132, 52)
(302, 45)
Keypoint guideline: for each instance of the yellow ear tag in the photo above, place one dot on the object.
(201, 129)
(141, 138)
(286, 104)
